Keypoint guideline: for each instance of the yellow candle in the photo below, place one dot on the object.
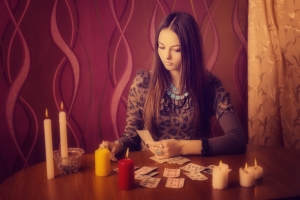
(48, 147)
(220, 176)
(102, 161)
(247, 177)
(63, 134)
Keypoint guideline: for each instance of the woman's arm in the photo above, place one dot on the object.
(234, 141)
(171, 148)
(134, 117)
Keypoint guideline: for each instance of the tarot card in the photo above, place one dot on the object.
(145, 135)
(211, 166)
(175, 182)
(171, 172)
(193, 168)
(141, 176)
(117, 169)
(183, 160)
(149, 182)
(208, 171)
(144, 170)
(196, 176)
(158, 160)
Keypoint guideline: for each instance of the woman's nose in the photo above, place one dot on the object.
(168, 55)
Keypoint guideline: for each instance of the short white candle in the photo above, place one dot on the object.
(247, 177)
(220, 176)
(63, 134)
(258, 171)
(48, 147)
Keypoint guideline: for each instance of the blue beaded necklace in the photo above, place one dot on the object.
(172, 89)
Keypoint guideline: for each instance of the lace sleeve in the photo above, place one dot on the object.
(221, 101)
(135, 105)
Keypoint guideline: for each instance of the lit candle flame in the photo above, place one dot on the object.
(46, 113)
(246, 168)
(127, 152)
(220, 164)
(61, 106)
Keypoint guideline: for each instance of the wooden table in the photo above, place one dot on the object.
(281, 179)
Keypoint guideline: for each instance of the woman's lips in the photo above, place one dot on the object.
(168, 63)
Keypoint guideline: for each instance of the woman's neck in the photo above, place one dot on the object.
(175, 78)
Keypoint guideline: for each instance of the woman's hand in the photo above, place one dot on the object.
(113, 147)
(171, 148)
(166, 148)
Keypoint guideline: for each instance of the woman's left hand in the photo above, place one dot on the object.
(165, 148)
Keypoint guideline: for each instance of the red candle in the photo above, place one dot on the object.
(126, 173)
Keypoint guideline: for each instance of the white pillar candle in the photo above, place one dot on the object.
(63, 134)
(48, 147)
(258, 171)
(220, 176)
(247, 177)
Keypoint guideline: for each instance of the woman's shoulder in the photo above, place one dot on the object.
(215, 83)
(212, 79)
(142, 78)
(222, 102)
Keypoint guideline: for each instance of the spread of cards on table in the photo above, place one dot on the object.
(193, 171)
(146, 174)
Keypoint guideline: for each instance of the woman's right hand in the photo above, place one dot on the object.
(114, 148)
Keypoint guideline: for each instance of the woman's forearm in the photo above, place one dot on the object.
(190, 147)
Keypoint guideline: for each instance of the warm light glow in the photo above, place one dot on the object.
(127, 152)
(102, 144)
(220, 164)
(46, 113)
(255, 163)
(61, 106)
(246, 168)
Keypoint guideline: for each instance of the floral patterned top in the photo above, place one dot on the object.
(175, 117)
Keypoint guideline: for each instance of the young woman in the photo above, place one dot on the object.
(176, 100)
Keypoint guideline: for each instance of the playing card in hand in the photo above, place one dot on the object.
(145, 135)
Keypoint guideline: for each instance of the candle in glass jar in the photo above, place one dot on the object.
(102, 161)
(220, 176)
(258, 170)
(48, 147)
(63, 134)
(247, 177)
(126, 173)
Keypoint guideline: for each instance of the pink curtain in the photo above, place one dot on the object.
(85, 54)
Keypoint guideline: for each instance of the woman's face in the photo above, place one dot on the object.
(169, 49)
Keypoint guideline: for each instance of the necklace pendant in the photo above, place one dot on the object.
(175, 96)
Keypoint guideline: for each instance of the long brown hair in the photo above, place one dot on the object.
(193, 75)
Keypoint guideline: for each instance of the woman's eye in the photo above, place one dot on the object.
(176, 50)
(161, 47)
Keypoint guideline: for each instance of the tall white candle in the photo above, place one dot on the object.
(63, 134)
(220, 176)
(247, 177)
(48, 147)
(258, 170)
